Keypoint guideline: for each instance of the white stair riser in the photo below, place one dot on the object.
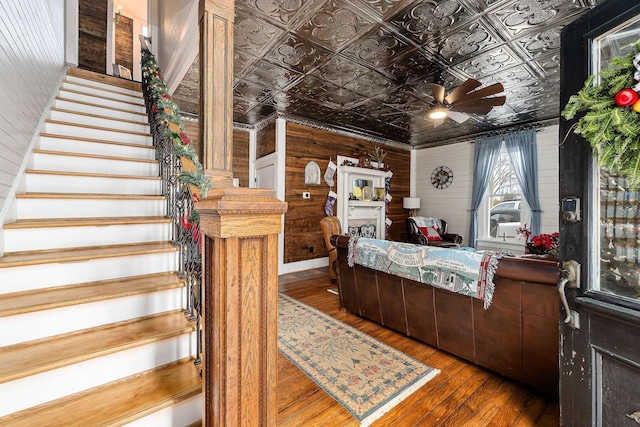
(103, 149)
(48, 275)
(99, 110)
(137, 108)
(41, 324)
(33, 239)
(47, 386)
(124, 91)
(82, 119)
(57, 162)
(45, 183)
(108, 135)
(97, 92)
(183, 413)
(88, 208)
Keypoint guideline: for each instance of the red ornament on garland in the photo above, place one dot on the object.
(626, 97)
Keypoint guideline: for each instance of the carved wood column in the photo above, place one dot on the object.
(240, 306)
(216, 90)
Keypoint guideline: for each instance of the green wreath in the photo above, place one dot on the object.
(611, 124)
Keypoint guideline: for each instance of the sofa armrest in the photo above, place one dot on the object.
(452, 237)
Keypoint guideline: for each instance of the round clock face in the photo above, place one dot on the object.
(442, 177)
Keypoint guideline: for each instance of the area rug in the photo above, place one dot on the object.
(364, 375)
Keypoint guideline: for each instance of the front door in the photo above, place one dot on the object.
(600, 230)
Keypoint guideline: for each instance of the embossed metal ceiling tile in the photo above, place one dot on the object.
(271, 75)
(424, 19)
(335, 24)
(339, 70)
(495, 61)
(256, 114)
(340, 98)
(383, 8)
(411, 66)
(402, 100)
(241, 62)
(296, 53)
(522, 16)
(370, 84)
(253, 35)
(251, 91)
(311, 87)
(282, 13)
(241, 107)
(378, 48)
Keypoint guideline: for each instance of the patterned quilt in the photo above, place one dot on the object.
(458, 270)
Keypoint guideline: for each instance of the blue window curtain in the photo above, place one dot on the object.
(523, 152)
(487, 151)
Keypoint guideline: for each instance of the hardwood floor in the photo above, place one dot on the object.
(463, 394)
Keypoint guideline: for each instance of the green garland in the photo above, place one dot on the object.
(611, 130)
(167, 111)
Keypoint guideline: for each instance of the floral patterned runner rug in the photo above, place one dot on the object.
(364, 375)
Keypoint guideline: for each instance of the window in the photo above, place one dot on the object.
(504, 204)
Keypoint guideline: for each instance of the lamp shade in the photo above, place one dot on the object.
(411, 202)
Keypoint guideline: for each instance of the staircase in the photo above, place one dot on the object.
(92, 330)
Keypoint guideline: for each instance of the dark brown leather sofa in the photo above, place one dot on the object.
(517, 336)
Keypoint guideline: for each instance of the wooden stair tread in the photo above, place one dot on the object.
(93, 156)
(101, 141)
(98, 116)
(115, 92)
(90, 104)
(89, 196)
(21, 259)
(106, 98)
(30, 358)
(104, 78)
(102, 128)
(92, 175)
(85, 222)
(117, 403)
(62, 296)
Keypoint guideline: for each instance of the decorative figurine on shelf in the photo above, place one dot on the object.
(378, 156)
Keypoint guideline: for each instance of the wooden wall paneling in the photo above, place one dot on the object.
(302, 235)
(92, 37)
(32, 64)
(124, 42)
(266, 141)
(241, 157)
(240, 150)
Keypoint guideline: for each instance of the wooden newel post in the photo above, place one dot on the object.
(241, 306)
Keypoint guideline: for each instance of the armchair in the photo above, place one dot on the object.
(330, 225)
(431, 231)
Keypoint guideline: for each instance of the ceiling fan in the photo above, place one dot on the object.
(464, 99)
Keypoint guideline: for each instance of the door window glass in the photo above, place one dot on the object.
(618, 208)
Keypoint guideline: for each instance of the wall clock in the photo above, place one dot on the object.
(442, 177)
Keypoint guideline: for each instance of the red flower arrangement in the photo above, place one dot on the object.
(540, 244)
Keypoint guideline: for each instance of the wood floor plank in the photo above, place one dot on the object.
(462, 394)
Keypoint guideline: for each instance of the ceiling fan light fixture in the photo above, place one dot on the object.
(438, 112)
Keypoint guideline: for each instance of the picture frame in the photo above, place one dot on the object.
(124, 72)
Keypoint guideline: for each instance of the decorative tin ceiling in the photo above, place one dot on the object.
(366, 66)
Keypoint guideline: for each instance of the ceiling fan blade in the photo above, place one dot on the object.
(472, 109)
(485, 92)
(437, 122)
(438, 93)
(458, 116)
(462, 90)
(495, 101)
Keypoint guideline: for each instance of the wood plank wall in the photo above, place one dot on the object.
(124, 42)
(92, 36)
(266, 141)
(303, 239)
(240, 150)
(32, 65)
